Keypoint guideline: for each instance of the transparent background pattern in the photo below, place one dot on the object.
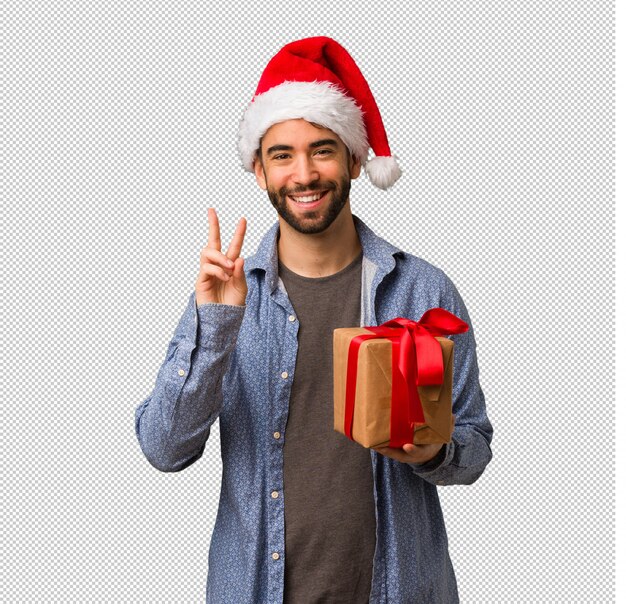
(120, 130)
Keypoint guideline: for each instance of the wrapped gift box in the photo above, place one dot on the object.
(372, 395)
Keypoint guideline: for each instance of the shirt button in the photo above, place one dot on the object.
(181, 372)
(284, 375)
(275, 556)
(276, 435)
(274, 494)
(292, 318)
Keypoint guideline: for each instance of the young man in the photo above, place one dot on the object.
(305, 514)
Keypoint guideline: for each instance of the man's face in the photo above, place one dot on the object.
(306, 171)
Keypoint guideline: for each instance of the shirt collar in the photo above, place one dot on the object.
(375, 248)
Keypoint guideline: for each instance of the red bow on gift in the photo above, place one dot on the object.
(416, 361)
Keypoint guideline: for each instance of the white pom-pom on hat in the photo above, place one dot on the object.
(383, 171)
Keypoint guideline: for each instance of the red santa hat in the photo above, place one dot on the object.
(317, 80)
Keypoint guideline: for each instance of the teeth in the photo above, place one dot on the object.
(307, 198)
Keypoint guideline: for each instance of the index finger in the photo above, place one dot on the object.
(214, 240)
(234, 249)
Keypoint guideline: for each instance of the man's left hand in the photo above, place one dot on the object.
(411, 453)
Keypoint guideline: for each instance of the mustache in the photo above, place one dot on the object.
(318, 186)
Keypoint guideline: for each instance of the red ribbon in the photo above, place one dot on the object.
(416, 361)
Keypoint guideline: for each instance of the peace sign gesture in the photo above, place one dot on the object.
(221, 278)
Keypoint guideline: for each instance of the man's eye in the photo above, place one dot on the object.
(323, 151)
(280, 156)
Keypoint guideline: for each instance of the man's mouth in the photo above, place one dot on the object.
(308, 198)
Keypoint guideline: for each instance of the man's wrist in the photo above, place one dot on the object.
(434, 462)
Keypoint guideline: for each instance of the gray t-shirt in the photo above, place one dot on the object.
(330, 524)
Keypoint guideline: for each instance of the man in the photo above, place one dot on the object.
(307, 515)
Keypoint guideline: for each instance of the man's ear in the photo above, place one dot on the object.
(259, 173)
(355, 167)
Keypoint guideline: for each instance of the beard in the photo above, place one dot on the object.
(315, 221)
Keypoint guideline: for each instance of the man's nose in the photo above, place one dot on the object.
(305, 171)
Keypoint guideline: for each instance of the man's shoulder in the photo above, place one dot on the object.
(416, 265)
(380, 248)
(415, 278)
(265, 254)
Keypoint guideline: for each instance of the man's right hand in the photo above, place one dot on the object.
(221, 278)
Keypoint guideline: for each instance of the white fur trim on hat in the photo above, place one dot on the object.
(383, 171)
(321, 103)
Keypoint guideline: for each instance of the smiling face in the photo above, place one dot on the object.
(306, 171)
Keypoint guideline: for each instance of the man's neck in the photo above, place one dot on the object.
(320, 254)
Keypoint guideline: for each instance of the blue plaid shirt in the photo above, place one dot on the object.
(238, 363)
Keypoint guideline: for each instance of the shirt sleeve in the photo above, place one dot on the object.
(464, 459)
(173, 423)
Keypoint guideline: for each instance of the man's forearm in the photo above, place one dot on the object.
(173, 423)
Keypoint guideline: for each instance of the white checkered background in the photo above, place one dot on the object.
(120, 130)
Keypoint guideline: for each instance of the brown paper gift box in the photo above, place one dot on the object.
(372, 408)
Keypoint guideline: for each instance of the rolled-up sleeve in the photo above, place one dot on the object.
(173, 424)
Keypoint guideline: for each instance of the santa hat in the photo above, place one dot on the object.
(317, 80)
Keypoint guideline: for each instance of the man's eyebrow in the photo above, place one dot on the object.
(275, 148)
(323, 143)
(313, 145)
